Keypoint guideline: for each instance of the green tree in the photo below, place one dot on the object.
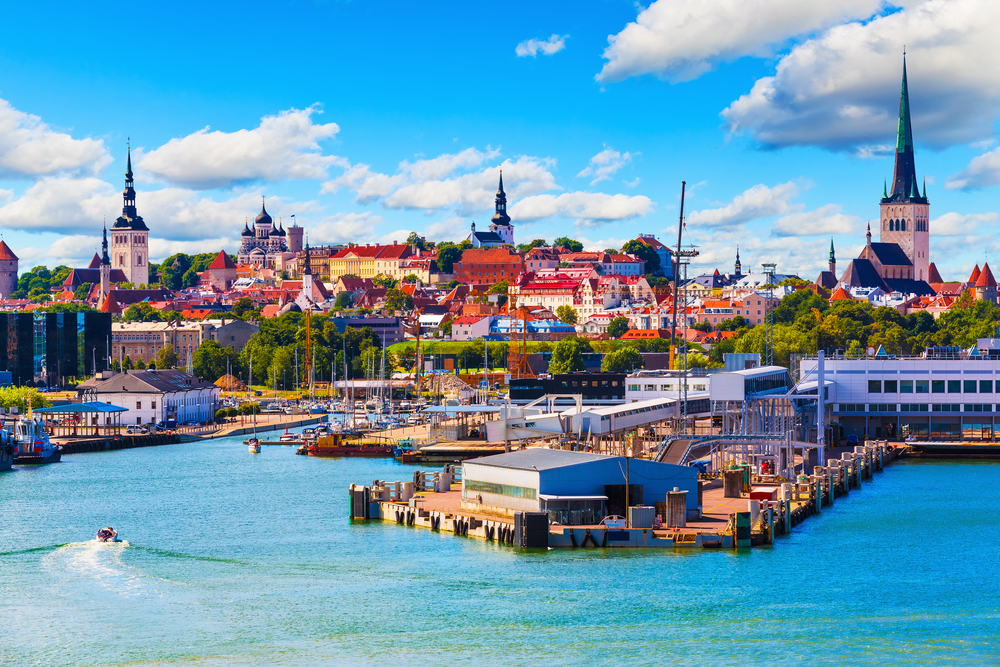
(567, 314)
(411, 278)
(738, 322)
(382, 280)
(398, 301)
(623, 360)
(190, 278)
(242, 306)
(568, 355)
(81, 292)
(798, 303)
(343, 301)
(617, 327)
(568, 243)
(141, 312)
(415, 239)
(500, 289)
(166, 358)
(211, 360)
(644, 252)
(787, 341)
(20, 397)
(537, 243)
(449, 253)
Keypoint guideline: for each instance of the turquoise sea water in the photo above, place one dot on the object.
(232, 558)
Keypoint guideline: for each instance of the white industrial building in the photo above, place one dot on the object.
(944, 394)
(573, 487)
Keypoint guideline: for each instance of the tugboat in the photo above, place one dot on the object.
(337, 445)
(33, 444)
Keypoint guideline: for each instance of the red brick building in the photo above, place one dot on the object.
(487, 266)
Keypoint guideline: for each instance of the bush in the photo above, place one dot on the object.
(249, 408)
(221, 414)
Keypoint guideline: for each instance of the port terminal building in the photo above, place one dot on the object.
(575, 488)
(944, 394)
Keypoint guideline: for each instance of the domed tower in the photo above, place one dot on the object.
(130, 236)
(262, 224)
(8, 271)
(500, 224)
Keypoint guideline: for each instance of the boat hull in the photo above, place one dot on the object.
(6, 458)
(358, 452)
(37, 459)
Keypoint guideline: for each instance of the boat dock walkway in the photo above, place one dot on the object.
(733, 514)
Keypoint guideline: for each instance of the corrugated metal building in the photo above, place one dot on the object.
(573, 487)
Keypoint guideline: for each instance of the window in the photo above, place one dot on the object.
(970, 386)
(152, 405)
(921, 386)
(650, 387)
(937, 386)
(906, 386)
(890, 386)
(954, 386)
(874, 386)
(138, 405)
(986, 386)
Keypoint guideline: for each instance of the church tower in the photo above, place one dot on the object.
(130, 236)
(905, 211)
(500, 224)
(738, 267)
(832, 261)
(105, 270)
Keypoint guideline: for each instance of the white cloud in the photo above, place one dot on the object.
(285, 146)
(633, 183)
(983, 172)
(30, 148)
(840, 90)
(548, 47)
(345, 227)
(600, 244)
(80, 206)
(823, 221)
(957, 224)
(453, 229)
(759, 201)
(680, 40)
(603, 165)
(588, 209)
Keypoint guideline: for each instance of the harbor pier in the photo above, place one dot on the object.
(734, 509)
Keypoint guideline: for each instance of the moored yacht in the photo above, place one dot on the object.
(33, 444)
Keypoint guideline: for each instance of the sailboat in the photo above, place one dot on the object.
(253, 444)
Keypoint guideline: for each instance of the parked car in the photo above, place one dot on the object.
(136, 429)
(192, 423)
(167, 425)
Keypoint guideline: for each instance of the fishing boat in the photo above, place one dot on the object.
(337, 445)
(404, 446)
(33, 444)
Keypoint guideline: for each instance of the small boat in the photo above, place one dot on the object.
(33, 444)
(337, 445)
(253, 444)
(108, 534)
(404, 446)
(288, 438)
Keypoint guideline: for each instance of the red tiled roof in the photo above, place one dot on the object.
(986, 277)
(468, 319)
(95, 263)
(6, 252)
(222, 261)
(395, 251)
(839, 294)
(975, 275)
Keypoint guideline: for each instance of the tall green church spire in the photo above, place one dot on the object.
(904, 175)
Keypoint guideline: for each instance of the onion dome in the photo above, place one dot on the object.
(246, 230)
(262, 218)
(279, 231)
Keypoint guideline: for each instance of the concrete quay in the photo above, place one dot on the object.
(747, 516)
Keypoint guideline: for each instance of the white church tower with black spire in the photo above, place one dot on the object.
(500, 224)
(130, 236)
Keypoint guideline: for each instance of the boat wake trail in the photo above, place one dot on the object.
(102, 563)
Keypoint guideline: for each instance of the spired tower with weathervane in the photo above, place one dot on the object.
(500, 224)
(130, 236)
(905, 211)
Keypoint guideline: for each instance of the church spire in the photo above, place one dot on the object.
(104, 247)
(128, 209)
(868, 236)
(501, 217)
(904, 175)
(832, 261)
(739, 266)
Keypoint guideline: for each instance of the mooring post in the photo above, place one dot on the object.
(786, 498)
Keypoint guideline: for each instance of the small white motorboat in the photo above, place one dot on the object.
(108, 534)
(253, 445)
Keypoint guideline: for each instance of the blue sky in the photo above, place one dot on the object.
(370, 119)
